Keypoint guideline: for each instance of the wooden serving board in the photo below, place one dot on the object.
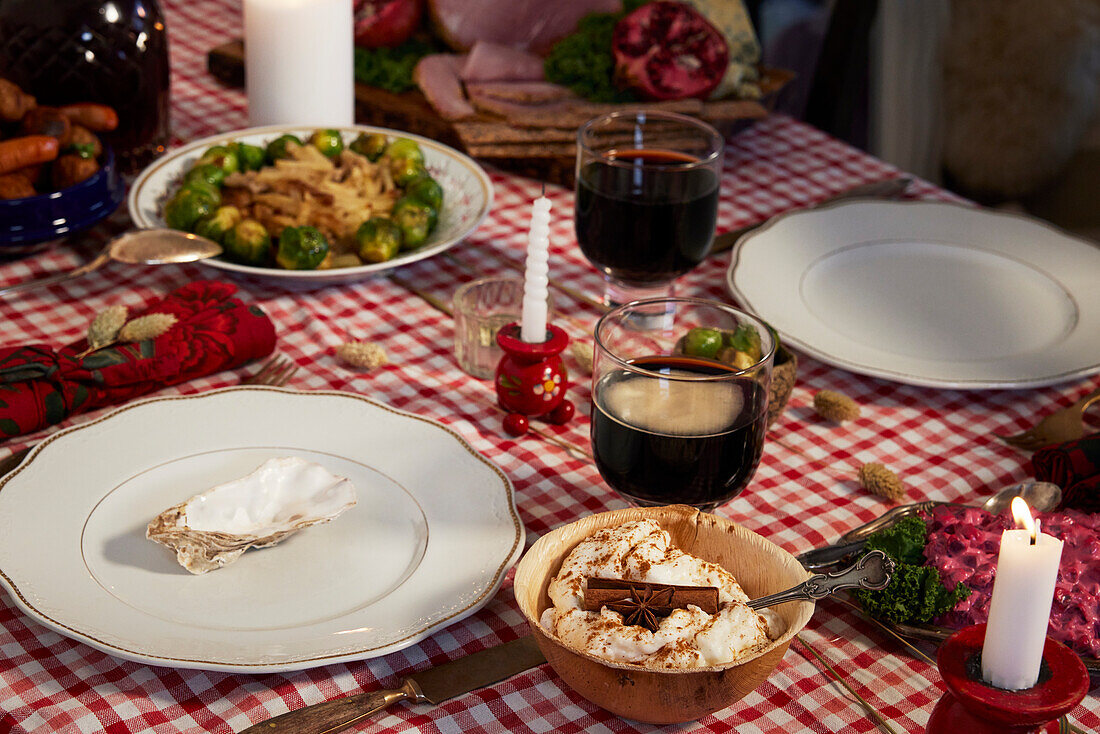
(543, 152)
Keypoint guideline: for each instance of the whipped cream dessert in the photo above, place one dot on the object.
(687, 638)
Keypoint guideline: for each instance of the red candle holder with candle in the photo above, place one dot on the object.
(972, 706)
(531, 379)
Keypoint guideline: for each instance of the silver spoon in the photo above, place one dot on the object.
(1040, 496)
(872, 571)
(139, 247)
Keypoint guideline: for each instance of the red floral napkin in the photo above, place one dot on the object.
(213, 332)
(1075, 467)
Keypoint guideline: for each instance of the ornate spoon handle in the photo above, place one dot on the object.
(872, 571)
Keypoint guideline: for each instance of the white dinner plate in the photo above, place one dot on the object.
(429, 542)
(923, 293)
(467, 199)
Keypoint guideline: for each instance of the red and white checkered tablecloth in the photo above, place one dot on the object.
(803, 495)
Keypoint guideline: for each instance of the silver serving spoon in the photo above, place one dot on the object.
(872, 571)
(1040, 496)
(139, 247)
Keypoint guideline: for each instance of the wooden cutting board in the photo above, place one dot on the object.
(543, 153)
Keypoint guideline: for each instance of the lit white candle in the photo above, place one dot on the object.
(299, 64)
(536, 275)
(1019, 612)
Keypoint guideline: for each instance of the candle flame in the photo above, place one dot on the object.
(1022, 514)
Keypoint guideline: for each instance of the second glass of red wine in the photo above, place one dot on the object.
(646, 198)
(679, 410)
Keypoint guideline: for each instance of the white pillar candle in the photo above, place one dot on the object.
(536, 274)
(299, 65)
(1019, 612)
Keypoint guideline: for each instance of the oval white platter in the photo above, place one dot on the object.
(467, 199)
(926, 293)
(429, 542)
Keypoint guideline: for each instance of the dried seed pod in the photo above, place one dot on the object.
(835, 406)
(582, 352)
(364, 355)
(145, 327)
(105, 327)
(877, 479)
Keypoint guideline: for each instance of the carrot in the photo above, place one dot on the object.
(97, 117)
(28, 150)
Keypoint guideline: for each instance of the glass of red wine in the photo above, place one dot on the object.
(646, 198)
(680, 400)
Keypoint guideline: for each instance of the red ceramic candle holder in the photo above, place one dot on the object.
(531, 378)
(972, 706)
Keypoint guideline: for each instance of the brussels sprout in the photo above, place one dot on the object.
(406, 170)
(414, 219)
(378, 239)
(405, 148)
(207, 173)
(218, 224)
(327, 141)
(277, 148)
(202, 188)
(248, 243)
(301, 248)
(700, 342)
(222, 157)
(406, 161)
(371, 145)
(186, 208)
(251, 157)
(427, 190)
(745, 339)
(333, 261)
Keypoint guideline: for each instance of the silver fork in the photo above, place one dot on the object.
(276, 372)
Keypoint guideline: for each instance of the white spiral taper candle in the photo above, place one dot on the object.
(536, 274)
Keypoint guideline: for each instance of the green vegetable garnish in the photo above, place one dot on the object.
(584, 62)
(327, 141)
(700, 342)
(745, 338)
(371, 145)
(378, 239)
(301, 248)
(391, 68)
(427, 190)
(251, 157)
(916, 594)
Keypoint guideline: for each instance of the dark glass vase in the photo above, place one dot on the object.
(114, 52)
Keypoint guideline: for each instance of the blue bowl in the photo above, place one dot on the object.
(29, 224)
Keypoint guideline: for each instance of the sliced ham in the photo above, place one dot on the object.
(523, 92)
(494, 62)
(535, 25)
(437, 77)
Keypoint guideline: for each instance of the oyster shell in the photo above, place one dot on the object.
(282, 496)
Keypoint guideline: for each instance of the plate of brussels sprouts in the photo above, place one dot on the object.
(313, 206)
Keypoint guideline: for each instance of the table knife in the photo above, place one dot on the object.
(887, 189)
(434, 685)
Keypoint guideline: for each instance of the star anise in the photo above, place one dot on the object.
(644, 606)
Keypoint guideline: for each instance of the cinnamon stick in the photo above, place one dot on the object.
(602, 592)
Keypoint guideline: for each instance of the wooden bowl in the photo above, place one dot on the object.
(784, 376)
(665, 697)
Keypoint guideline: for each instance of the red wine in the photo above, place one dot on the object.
(660, 441)
(648, 224)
